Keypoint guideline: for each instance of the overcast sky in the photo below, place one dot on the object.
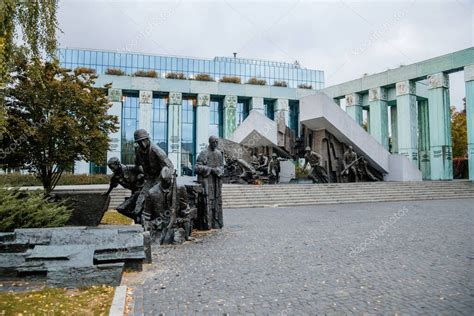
(344, 38)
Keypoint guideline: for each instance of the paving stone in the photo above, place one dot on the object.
(265, 259)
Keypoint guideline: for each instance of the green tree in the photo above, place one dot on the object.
(53, 120)
(459, 131)
(36, 21)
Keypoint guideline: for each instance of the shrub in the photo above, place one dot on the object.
(203, 77)
(305, 86)
(115, 72)
(256, 81)
(18, 180)
(149, 74)
(230, 79)
(280, 84)
(21, 209)
(84, 70)
(175, 75)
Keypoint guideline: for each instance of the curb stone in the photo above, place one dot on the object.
(118, 303)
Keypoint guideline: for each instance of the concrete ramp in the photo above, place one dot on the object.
(319, 111)
(256, 130)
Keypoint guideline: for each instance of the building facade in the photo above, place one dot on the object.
(181, 114)
(408, 110)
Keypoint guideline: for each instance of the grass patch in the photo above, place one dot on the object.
(95, 300)
(115, 218)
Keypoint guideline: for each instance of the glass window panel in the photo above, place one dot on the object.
(128, 125)
(216, 117)
(269, 108)
(140, 61)
(67, 56)
(134, 61)
(87, 57)
(174, 63)
(160, 123)
(100, 56)
(188, 146)
(93, 58)
(81, 57)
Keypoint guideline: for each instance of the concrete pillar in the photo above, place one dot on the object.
(407, 120)
(394, 129)
(379, 115)
(202, 122)
(440, 127)
(145, 111)
(354, 107)
(115, 139)
(82, 167)
(424, 139)
(469, 78)
(281, 111)
(256, 104)
(230, 104)
(174, 129)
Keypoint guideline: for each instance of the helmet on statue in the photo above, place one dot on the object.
(140, 134)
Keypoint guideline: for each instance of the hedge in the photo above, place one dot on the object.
(18, 180)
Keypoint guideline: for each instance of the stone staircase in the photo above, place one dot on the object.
(250, 196)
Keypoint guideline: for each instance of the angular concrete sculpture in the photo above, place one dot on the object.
(74, 256)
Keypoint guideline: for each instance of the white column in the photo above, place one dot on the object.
(257, 105)
(81, 167)
(174, 129)
(115, 139)
(440, 127)
(230, 124)
(145, 112)
(407, 120)
(469, 78)
(281, 111)
(354, 107)
(202, 122)
(378, 113)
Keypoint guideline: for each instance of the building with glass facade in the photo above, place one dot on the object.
(180, 115)
(218, 67)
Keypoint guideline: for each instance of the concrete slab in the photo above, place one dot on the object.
(319, 111)
(257, 130)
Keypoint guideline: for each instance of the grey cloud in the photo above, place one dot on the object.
(345, 38)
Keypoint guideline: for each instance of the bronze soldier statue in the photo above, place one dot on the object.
(129, 177)
(349, 164)
(274, 169)
(152, 159)
(262, 164)
(161, 206)
(318, 174)
(210, 169)
(364, 172)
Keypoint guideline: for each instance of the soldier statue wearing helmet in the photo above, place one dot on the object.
(318, 174)
(130, 177)
(274, 169)
(152, 160)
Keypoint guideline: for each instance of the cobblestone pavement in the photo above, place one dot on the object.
(401, 257)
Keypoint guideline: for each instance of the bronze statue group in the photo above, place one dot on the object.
(163, 207)
(355, 168)
(169, 211)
